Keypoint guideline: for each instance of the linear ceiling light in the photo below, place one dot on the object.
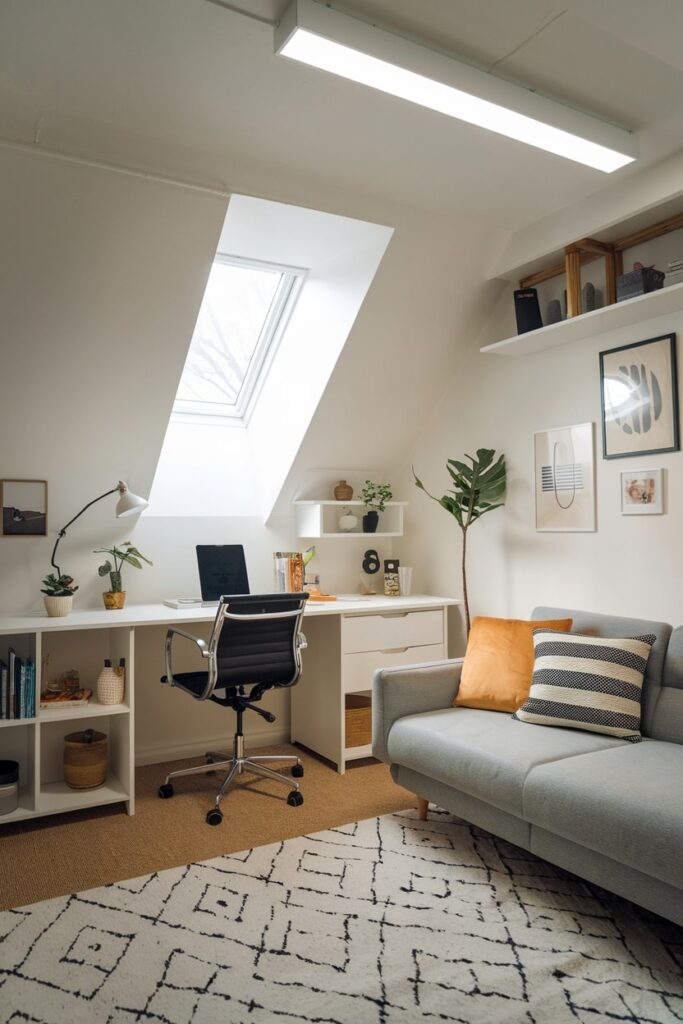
(314, 34)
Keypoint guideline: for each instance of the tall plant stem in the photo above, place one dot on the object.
(464, 581)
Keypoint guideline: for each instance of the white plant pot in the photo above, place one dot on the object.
(58, 606)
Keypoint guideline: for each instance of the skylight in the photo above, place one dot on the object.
(243, 313)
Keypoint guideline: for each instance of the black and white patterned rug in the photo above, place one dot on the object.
(386, 921)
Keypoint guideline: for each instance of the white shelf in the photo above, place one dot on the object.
(586, 325)
(57, 796)
(5, 722)
(91, 710)
(320, 519)
(347, 504)
(22, 813)
(355, 753)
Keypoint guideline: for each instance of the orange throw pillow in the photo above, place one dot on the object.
(499, 662)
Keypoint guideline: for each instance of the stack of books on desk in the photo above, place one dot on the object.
(17, 687)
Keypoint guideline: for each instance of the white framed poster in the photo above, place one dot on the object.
(641, 492)
(564, 471)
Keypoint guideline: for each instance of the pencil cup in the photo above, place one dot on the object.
(405, 579)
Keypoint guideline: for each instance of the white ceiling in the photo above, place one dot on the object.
(185, 85)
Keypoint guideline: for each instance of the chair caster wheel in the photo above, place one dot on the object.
(298, 771)
(166, 791)
(295, 798)
(214, 817)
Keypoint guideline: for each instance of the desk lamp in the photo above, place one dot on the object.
(129, 504)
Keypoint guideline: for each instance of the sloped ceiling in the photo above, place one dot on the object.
(191, 87)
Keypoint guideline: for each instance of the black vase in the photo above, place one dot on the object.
(370, 521)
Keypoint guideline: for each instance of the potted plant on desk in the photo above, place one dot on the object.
(116, 597)
(59, 594)
(375, 497)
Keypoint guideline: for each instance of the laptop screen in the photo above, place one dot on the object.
(222, 570)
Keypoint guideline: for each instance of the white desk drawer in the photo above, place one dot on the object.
(357, 669)
(392, 629)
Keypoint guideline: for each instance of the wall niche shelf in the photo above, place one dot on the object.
(598, 321)
(320, 518)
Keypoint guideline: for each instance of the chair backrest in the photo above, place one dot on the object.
(255, 640)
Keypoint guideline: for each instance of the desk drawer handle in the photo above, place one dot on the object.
(393, 615)
(394, 650)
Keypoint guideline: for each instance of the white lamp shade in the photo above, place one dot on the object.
(129, 504)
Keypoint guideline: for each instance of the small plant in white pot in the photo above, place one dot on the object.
(116, 597)
(59, 594)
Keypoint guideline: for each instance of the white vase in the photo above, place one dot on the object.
(58, 606)
(110, 685)
(348, 522)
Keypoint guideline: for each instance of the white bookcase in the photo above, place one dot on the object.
(321, 518)
(38, 743)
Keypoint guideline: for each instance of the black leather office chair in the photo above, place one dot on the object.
(255, 644)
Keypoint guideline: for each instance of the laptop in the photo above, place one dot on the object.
(222, 570)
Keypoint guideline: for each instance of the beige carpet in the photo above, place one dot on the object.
(66, 853)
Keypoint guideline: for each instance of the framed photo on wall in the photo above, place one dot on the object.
(564, 471)
(641, 492)
(639, 394)
(24, 508)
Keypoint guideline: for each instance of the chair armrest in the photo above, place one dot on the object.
(410, 690)
(197, 641)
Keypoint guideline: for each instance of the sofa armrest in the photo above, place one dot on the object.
(410, 690)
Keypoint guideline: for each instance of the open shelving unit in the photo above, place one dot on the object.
(38, 743)
(320, 518)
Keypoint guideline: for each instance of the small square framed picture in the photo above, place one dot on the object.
(24, 508)
(642, 492)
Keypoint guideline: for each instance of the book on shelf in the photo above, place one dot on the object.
(17, 687)
(4, 690)
(64, 700)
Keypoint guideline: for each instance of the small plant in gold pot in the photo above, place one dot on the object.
(116, 597)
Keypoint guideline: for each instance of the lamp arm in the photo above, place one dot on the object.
(77, 516)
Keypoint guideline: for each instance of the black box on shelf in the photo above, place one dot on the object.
(527, 310)
(638, 282)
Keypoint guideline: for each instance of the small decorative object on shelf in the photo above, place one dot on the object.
(391, 581)
(375, 496)
(9, 786)
(405, 579)
(111, 683)
(59, 594)
(343, 491)
(527, 310)
(347, 522)
(554, 312)
(85, 759)
(116, 597)
(64, 700)
(639, 281)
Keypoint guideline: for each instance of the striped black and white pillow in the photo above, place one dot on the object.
(587, 682)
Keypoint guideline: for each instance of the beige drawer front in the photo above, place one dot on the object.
(357, 669)
(380, 632)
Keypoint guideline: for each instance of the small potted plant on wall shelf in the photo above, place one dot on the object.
(375, 497)
(59, 594)
(116, 597)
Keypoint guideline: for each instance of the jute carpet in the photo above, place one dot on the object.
(386, 921)
(69, 852)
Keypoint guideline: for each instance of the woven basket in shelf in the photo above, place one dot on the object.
(85, 759)
(358, 715)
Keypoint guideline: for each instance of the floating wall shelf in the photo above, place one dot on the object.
(320, 519)
(598, 321)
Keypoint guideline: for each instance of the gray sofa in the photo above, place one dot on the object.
(603, 808)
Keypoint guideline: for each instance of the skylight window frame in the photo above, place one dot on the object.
(272, 330)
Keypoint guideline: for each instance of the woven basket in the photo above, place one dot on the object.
(358, 715)
(85, 759)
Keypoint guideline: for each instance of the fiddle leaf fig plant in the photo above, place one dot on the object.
(476, 490)
(126, 554)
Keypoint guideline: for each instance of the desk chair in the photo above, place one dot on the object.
(255, 644)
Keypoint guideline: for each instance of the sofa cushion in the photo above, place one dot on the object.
(483, 753)
(626, 803)
(499, 660)
(587, 682)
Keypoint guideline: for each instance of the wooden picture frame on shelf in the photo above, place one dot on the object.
(24, 508)
(639, 396)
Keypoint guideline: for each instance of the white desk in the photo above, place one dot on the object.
(348, 639)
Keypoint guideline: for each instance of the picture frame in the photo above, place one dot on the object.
(639, 398)
(24, 508)
(642, 492)
(564, 479)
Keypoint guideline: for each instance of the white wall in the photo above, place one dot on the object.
(632, 565)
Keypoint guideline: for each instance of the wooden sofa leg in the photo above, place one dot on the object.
(422, 808)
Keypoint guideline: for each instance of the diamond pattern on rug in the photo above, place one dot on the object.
(386, 921)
